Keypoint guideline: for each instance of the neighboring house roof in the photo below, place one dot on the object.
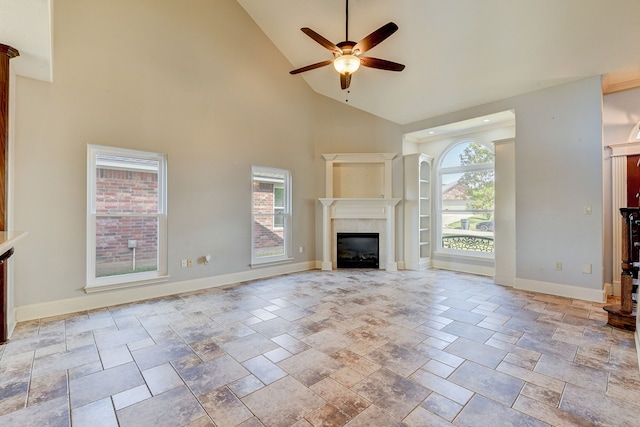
(453, 191)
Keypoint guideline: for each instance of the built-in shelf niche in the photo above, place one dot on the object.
(359, 175)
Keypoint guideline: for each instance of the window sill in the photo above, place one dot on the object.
(484, 256)
(270, 263)
(101, 288)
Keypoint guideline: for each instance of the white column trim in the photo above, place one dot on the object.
(326, 234)
(392, 265)
(618, 200)
(619, 153)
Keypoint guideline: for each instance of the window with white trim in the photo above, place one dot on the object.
(126, 217)
(271, 215)
(466, 202)
(278, 206)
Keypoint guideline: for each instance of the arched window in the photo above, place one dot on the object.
(466, 202)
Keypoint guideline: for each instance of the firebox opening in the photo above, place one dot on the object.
(358, 250)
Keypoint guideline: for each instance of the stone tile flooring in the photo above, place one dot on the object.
(346, 347)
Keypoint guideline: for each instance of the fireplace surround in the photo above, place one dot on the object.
(358, 189)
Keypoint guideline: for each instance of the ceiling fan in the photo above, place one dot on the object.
(346, 55)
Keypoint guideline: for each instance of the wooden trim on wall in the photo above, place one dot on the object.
(6, 53)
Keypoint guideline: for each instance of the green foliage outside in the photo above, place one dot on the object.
(478, 185)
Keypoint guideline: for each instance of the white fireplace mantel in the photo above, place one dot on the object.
(353, 183)
(361, 209)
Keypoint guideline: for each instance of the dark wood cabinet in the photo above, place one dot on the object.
(624, 315)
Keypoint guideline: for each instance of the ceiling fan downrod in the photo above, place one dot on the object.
(346, 20)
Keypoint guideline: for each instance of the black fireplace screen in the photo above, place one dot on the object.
(358, 250)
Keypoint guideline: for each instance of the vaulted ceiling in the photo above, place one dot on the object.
(458, 53)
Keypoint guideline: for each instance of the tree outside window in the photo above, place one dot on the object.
(478, 184)
(467, 199)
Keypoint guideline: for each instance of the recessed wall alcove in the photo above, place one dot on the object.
(358, 200)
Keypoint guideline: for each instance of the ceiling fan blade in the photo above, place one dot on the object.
(311, 67)
(382, 64)
(345, 80)
(376, 37)
(318, 38)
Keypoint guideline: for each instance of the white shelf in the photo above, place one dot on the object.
(417, 211)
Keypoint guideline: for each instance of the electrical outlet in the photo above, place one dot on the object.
(586, 268)
(558, 266)
(189, 262)
(183, 263)
(301, 249)
(587, 210)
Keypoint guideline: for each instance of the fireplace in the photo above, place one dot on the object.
(359, 200)
(357, 250)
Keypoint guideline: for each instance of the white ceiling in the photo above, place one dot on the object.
(26, 25)
(475, 124)
(458, 53)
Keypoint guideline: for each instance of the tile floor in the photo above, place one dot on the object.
(347, 347)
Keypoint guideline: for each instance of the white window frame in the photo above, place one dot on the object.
(451, 170)
(94, 283)
(276, 207)
(286, 256)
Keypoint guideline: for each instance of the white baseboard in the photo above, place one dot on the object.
(124, 296)
(595, 295)
(617, 288)
(129, 295)
(463, 267)
(11, 322)
(608, 288)
(504, 280)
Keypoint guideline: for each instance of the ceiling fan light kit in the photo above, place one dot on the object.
(346, 64)
(346, 54)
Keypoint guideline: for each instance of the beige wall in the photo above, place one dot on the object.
(558, 171)
(194, 79)
(197, 80)
(343, 129)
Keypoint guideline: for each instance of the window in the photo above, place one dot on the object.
(126, 217)
(466, 205)
(271, 215)
(278, 206)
